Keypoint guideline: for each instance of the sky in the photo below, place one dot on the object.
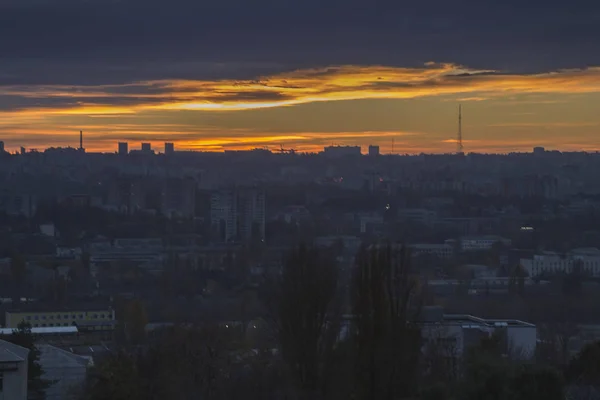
(303, 74)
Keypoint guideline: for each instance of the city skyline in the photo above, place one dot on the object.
(306, 74)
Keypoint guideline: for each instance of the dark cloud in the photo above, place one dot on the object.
(117, 41)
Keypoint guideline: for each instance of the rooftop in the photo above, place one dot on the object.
(12, 353)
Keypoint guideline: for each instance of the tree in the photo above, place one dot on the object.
(116, 378)
(386, 305)
(302, 305)
(538, 383)
(584, 368)
(18, 268)
(36, 385)
(132, 319)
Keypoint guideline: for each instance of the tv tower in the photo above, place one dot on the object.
(459, 143)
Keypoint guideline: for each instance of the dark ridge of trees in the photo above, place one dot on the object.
(386, 305)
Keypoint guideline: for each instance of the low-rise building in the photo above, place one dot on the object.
(444, 251)
(460, 331)
(44, 316)
(13, 371)
(550, 263)
(482, 243)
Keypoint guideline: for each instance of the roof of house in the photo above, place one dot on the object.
(10, 352)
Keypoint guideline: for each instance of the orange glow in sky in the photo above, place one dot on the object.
(308, 109)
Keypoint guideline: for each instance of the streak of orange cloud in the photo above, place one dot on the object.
(306, 86)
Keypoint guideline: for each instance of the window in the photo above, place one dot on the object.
(36, 317)
(95, 316)
(66, 316)
(51, 317)
(80, 316)
(58, 317)
(29, 318)
(50, 324)
(43, 325)
(43, 317)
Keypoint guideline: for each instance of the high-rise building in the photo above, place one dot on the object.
(169, 148)
(2, 147)
(238, 214)
(146, 148)
(123, 148)
(373, 150)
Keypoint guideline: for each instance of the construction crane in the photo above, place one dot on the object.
(282, 150)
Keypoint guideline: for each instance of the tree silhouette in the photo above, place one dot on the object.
(386, 304)
(302, 304)
(584, 368)
(18, 269)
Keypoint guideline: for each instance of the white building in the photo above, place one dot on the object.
(554, 263)
(13, 371)
(481, 243)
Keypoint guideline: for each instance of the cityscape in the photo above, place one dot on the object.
(299, 200)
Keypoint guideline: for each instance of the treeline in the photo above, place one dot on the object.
(329, 334)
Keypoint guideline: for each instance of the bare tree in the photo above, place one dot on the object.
(303, 310)
(386, 304)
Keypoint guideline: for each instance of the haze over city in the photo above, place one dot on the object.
(238, 75)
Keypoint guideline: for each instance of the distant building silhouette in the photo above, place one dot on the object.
(342, 151)
(373, 150)
(123, 148)
(169, 148)
(146, 148)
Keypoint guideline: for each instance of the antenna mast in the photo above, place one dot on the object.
(459, 143)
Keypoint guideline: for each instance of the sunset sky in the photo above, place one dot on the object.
(302, 73)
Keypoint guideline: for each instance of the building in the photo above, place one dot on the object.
(373, 150)
(64, 369)
(550, 263)
(123, 148)
(146, 148)
(169, 148)
(341, 151)
(238, 214)
(461, 331)
(482, 243)
(2, 146)
(444, 251)
(538, 151)
(418, 215)
(43, 316)
(13, 371)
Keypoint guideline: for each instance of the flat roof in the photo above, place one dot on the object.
(43, 330)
